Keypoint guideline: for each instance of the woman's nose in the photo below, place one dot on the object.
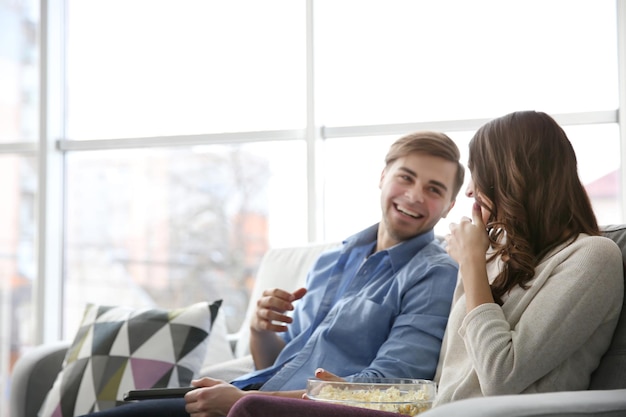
(469, 191)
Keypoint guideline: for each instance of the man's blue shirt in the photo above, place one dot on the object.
(379, 315)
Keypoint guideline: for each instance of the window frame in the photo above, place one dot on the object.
(52, 148)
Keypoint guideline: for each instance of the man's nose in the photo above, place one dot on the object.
(414, 194)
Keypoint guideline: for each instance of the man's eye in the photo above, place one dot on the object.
(436, 191)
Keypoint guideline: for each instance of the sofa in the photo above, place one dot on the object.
(35, 371)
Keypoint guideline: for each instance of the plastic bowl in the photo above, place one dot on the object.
(398, 395)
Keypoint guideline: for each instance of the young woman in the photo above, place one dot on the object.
(539, 290)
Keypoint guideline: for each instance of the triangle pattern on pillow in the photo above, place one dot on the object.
(106, 370)
(143, 326)
(117, 349)
(147, 372)
(69, 390)
(185, 339)
(104, 335)
(120, 346)
(161, 342)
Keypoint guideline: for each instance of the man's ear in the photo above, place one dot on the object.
(382, 177)
(446, 211)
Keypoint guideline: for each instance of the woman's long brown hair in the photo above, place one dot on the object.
(525, 164)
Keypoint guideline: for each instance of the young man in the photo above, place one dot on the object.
(376, 306)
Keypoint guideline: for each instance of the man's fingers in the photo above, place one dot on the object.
(299, 293)
(271, 307)
(278, 293)
(206, 382)
(274, 303)
(271, 315)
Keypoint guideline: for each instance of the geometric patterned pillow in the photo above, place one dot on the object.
(117, 349)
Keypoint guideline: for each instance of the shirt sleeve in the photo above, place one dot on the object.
(306, 308)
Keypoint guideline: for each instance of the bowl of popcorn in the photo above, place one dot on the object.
(397, 395)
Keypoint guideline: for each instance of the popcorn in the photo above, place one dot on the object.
(389, 399)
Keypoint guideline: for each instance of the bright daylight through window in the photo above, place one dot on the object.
(152, 151)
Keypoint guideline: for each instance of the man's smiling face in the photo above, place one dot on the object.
(416, 192)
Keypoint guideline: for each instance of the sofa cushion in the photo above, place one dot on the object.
(611, 373)
(118, 348)
(219, 349)
(607, 403)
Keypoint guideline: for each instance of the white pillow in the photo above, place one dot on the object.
(219, 349)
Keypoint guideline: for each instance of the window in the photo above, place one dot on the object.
(19, 57)
(189, 136)
(181, 68)
(18, 267)
(171, 227)
(19, 101)
(352, 197)
(406, 61)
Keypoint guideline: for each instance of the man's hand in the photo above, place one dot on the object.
(326, 376)
(271, 308)
(268, 320)
(214, 398)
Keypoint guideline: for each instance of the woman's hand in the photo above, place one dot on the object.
(213, 398)
(327, 376)
(468, 242)
(468, 239)
(324, 375)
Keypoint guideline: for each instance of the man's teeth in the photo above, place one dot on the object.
(408, 212)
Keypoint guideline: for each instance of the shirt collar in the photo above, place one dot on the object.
(399, 254)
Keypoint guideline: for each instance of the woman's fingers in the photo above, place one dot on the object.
(327, 376)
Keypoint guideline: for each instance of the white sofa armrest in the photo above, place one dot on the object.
(602, 403)
(33, 376)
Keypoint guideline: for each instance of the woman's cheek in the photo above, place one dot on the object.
(484, 214)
